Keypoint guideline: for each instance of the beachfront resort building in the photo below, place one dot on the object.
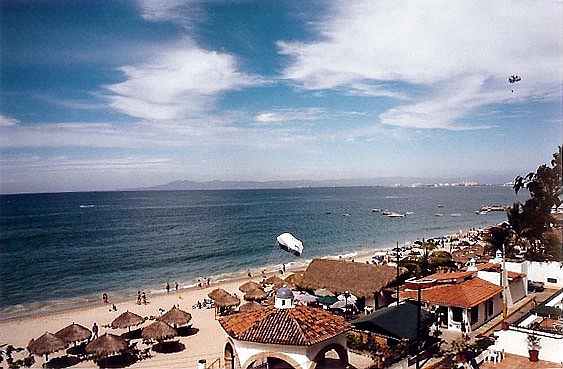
(462, 301)
(285, 336)
(367, 282)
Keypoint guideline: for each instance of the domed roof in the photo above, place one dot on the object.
(284, 293)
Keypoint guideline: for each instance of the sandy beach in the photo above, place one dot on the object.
(207, 343)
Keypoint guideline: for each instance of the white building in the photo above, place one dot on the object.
(285, 336)
(461, 301)
(548, 272)
(514, 340)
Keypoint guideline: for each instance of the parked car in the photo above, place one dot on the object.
(535, 286)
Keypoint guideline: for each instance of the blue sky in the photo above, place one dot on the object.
(107, 95)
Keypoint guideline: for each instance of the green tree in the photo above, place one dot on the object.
(532, 221)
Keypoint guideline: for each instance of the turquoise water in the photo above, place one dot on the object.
(58, 249)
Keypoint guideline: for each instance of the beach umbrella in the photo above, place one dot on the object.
(275, 281)
(250, 306)
(323, 292)
(74, 333)
(351, 298)
(304, 297)
(249, 286)
(341, 304)
(159, 331)
(218, 293)
(327, 300)
(127, 320)
(255, 295)
(176, 317)
(45, 345)
(107, 345)
(294, 279)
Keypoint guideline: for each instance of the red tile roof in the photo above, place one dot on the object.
(458, 276)
(466, 294)
(494, 267)
(301, 326)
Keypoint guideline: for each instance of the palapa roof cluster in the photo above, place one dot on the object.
(298, 326)
(466, 294)
(74, 333)
(126, 320)
(106, 345)
(275, 281)
(293, 279)
(158, 331)
(362, 280)
(256, 294)
(249, 286)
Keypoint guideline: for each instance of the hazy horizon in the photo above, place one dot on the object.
(110, 96)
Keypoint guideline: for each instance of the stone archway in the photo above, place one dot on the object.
(263, 356)
(229, 357)
(340, 351)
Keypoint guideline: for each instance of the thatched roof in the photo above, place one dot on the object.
(106, 345)
(274, 280)
(158, 331)
(363, 280)
(255, 295)
(176, 317)
(249, 286)
(223, 298)
(74, 333)
(46, 344)
(250, 306)
(126, 320)
(293, 279)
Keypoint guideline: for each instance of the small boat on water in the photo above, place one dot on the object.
(455, 215)
(395, 215)
(386, 212)
(375, 210)
(346, 214)
(289, 242)
(438, 215)
(440, 205)
(409, 213)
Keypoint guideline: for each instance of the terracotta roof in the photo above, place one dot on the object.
(466, 294)
(300, 326)
(361, 279)
(494, 267)
(458, 276)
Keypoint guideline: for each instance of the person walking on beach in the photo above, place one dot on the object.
(176, 285)
(208, 281)
(105, 298)
(144, 297)
(138, 297)
(167, 287)
(249, 274)
(283, 268)
(95, 331)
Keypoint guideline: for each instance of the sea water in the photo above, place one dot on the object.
(67, 248)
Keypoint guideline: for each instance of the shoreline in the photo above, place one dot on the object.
(69, 305)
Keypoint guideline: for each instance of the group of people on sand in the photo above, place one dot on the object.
(141, 298)
(176, 286)
(105, 300)
(203, 282)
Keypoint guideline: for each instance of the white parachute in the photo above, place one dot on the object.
(289, 243)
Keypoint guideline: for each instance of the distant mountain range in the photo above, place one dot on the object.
(278, 184)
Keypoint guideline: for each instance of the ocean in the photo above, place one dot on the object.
(64, 249)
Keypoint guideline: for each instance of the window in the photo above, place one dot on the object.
(490, 307)
(457, 314)
(474, 314)
(552, 280)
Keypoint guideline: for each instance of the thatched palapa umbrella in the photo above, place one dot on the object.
(217, 294)
(275, 281)
(159, 331)
(107, 345)
(74, 333)
(176, 317)
(45, 345)
(249, 286)
(127, 320)
(255, 295)
(250, 306)
(294, 279)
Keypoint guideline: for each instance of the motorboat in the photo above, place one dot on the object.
(290, 243)
(395, 215)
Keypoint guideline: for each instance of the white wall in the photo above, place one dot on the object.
(518, 288)
(539, 271)
(516, 342)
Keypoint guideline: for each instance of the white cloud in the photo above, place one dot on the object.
(7, 121)
(287, 115)
(435, 45)
(179, 82)
(167, 10)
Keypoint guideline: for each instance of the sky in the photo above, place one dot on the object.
(98, 95)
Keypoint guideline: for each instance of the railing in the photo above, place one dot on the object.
(214, 364)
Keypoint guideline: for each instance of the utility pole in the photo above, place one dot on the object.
(418, 313)
(398, 273)
(504, 281)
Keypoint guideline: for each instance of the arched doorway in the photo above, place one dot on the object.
(271, 360)
(229, 356)
(333, 356)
